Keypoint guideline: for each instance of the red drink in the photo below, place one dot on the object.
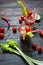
(29, 20)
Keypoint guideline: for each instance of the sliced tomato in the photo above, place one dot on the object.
(21, 28)
(24, 28)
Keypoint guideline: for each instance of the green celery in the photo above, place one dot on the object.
(30, 34)
(14, 44)
(23, 55)
(23, 9)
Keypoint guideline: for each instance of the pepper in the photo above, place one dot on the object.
(6, 20)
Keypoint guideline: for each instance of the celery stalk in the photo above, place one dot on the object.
(23, 55)
(6, 47)
(23, 9)
(27, 58)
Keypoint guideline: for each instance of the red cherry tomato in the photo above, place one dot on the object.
(2, 30)
(20, 20)
(14, 29)
(28, 28)
(34, 45)
(30, 13)
(39, 48)
(22, 17)
(1, 35)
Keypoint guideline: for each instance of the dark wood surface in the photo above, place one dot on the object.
(11, 9)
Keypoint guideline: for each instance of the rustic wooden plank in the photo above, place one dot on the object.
(13, 7)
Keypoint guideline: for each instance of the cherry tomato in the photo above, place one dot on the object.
(2, 30)
(1, 35)
(30, 13)
(39, 48)
(34, 45)
(14, 29)
(27, 28)
(22, 17)
(20, 20)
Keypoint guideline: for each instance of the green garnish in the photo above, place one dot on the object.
(27, 58)
(5, 47)
(27, 33)
(12, 43)
(23, 9)
(37, 16)
(30, 34)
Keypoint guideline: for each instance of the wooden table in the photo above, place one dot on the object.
(11, 9)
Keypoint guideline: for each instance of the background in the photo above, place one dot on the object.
(11, 9)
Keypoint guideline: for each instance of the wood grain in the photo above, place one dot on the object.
(12, 10)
